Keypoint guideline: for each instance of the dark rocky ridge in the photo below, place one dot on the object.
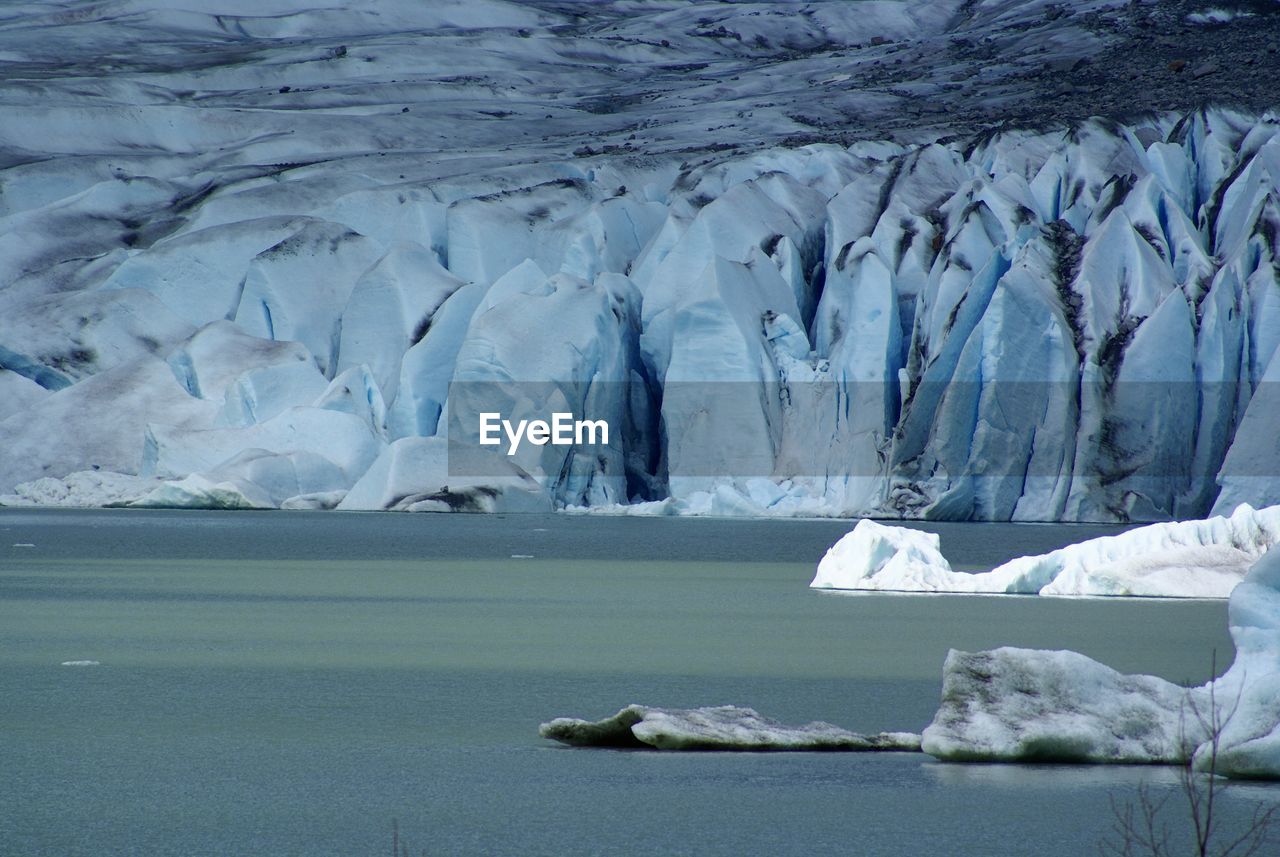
(649, 78)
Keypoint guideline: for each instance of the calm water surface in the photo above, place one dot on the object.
(279, 683)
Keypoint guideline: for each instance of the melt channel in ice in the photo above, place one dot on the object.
(1180, 559)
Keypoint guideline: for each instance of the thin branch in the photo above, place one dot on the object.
(1140, 830)
(1255, 834)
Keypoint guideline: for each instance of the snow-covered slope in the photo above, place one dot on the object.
(249, 255)
(1026, 705)
(1185, 559)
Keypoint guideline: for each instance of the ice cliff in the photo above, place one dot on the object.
(263, 282)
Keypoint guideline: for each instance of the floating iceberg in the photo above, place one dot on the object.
(1182, 559)
(1036, 706)
(1248, 692)
(724, 727)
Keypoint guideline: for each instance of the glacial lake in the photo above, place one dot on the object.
(298, 683)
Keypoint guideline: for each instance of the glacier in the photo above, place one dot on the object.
(1182, 559)
(287, 270)
(1025, 705)
(723, 727)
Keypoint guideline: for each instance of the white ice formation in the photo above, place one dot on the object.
(1184, 559)
(724, 727)
(260, 275)
(1247, 694)
(1024, 705)
(1030, 705)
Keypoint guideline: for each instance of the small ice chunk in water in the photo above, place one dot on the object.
(81, 664)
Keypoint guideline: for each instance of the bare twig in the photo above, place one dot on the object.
(1140, 830)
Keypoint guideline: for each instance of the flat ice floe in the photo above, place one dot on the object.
(1023, 705)
(1182, 559)
(724, 727)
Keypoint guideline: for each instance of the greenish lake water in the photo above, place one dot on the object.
(291, 683)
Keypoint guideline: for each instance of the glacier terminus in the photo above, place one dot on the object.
(275, 281)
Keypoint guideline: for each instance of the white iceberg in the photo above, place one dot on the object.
(1037, 706)
(723, 727)
(1180, 559)
(872, 553)
(1248, 693)
(1023, 705)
